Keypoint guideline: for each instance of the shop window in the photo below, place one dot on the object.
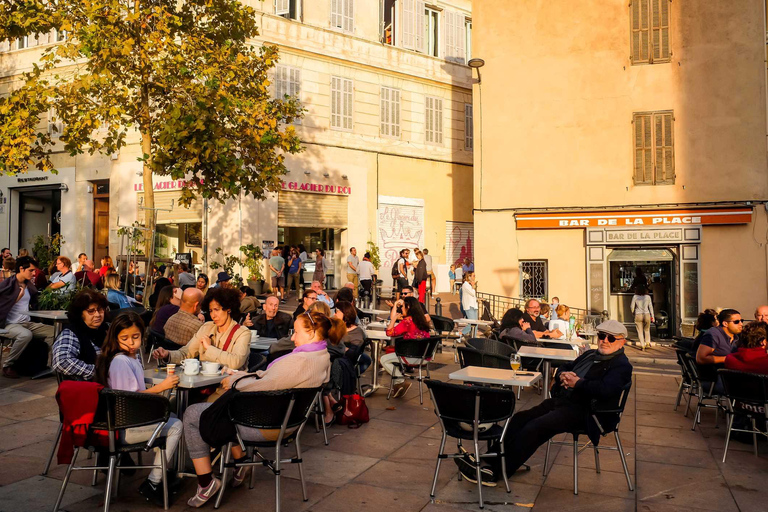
(288, 9)
(341, 103)
(469, 129)
(455, 38)
(654, 148)
(343, 15)
(431, 31)
(390, 112)
(533, 279)
(434, 120)
(650, 31)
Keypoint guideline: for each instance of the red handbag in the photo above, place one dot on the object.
(354, 412)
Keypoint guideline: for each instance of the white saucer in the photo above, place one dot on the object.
(215, 374)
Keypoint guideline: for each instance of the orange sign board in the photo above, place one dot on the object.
(637, 218)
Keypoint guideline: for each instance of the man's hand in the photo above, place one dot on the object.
(247, 322)
(569, 379)
(555, 334)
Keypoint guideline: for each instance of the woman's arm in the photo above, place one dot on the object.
(238, 353)
(65, 360)
(401, 328)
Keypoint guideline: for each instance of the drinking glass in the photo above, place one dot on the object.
(366, 321)
(514, 363)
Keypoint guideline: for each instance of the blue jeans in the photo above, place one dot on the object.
(470, 314)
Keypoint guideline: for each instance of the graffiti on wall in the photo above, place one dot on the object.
(459, 242)
(399, 227)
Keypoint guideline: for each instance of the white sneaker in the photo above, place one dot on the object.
(205, 493)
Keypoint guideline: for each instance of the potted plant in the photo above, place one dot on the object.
(253, 262)
(373, 250)
(228, 265)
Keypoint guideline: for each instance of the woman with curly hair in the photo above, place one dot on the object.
(222, 340)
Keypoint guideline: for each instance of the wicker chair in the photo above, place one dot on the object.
(286, 411)
(491, 347)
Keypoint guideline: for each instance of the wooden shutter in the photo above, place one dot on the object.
(461, 37)
(429, 128)
(280, 90)
(178, 214)
(335, 102)
(395, 112)
(385, 111)
(439, 121)
(282, 7)
(409, 24)
(640, 30)
(349, 15)
(469, 128)
(336, 15)
(643, 149)
(348, 105)
(420, 29)
(449, 35)
(660, 26)
(664, 146)
(5, 46)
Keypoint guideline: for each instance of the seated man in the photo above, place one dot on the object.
(17, 296)
(532, 316)
(595, 375)
(717, 343)
(87, 277)
(184, 324)
(310, 296)
(321, 295)
(272, 323)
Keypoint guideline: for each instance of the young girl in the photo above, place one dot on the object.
(118, 368)
(452, 277)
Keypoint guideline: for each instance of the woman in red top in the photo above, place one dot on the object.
(751, 356)
(413, 325)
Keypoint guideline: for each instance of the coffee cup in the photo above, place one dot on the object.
(170, 368)
(191, 366)
(254, 336)
(211, 368)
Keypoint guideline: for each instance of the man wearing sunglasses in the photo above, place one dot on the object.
(599, 375)
(717, 343)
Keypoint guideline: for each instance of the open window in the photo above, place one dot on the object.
(388, 19)
(288, 9)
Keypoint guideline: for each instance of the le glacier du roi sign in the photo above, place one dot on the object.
(294, 186)
(640, 218)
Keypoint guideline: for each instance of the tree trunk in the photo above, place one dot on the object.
(149, 195)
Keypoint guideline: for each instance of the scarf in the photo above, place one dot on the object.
(582, 368)
(89, 340)
(317, 346)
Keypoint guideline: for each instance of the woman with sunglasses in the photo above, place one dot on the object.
(308, 366)
(413, 325)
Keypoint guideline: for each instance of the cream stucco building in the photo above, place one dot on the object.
(387, 145)
(617, 135)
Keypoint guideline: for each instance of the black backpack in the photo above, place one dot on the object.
(396, 269)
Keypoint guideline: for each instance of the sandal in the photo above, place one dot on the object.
(337, 407)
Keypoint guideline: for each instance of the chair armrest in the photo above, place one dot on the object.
(151, 441)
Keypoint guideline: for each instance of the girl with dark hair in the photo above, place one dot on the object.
(345, 295)
(420, 276)
(168, 303)
(77, 347)
(222, 340)
(513, 326)
(202, 283)
(159, 285)
(413, 325)
(118, 368)
(308, 366)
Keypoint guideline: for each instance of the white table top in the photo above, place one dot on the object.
(185, 381)
(374, 311)
(50, 315)
(548, 353)
(497, 376)
(572, 342)
(468, 321)
(376, 335)
(262, 343)
(378, 325)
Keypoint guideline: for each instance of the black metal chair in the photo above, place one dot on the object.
(445, 328)
(577, 448)
(422, 350)
(704, 391)
(357, 358)
(746, 394)
(117, 411)
(158, 340)
(469, 356)
(686, 381)
(463, 412)
(286, 411)
(491, 347)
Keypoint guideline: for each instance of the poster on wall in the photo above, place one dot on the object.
(400, 223)
(459, 242)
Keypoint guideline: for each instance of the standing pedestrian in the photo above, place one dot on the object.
(430, 273)
(642, 307)
(353, 263)
(469, 299)
(294, 271)
(400, 273)
(276, 263)
(321, 267)
(420, 276)
(365, 272)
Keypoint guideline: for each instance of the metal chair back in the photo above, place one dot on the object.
(272, 410)
(417, 348)
(491, 347)
(456, 403)
(750, 388)
(470, 357)
(442, 323)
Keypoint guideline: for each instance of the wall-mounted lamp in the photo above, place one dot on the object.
(344, 177)
(64, 187)
(327, 175)
(476, 64)
(307, 173)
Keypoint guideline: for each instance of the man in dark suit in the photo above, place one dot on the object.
(272, 323)
(596, 375)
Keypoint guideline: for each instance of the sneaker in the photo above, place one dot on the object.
(205, 493)
(153, 492)
(467, 470)
(241, 475)
(404, 388)
(10, 373)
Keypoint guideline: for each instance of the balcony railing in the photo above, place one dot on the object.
(494, 307)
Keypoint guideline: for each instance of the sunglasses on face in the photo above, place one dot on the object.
(733, 321)
(611, 338)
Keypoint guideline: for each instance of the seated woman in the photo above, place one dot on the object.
(222, 340)
(118, 368)
(78, 346)
(248, 301)
(751, 355)
(514, 327)
(413, 325)
(115, 295)
(63, 280)
(308, 366)
(560, 323)
(168, 304)
(161, 283)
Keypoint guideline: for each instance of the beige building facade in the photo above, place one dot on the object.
(624, 135)
(387, 136)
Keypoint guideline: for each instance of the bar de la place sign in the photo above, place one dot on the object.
(640, 218)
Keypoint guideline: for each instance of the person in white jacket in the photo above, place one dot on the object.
(469, 299)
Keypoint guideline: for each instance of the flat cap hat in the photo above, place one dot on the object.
(613, 327)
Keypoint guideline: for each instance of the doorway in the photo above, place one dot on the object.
(100, 220)
(39, 214)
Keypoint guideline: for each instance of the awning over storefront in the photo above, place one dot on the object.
(170, 201)
(640, 255)
(296, 209)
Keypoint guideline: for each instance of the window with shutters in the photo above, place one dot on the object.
(431, 32)
(650, 31)
(654, 148)
(60, 36)
(341, 103)
(390, 112)
(469, 129)
(55, 125)
(22, 42)
(468, 38)
(288, 83)
(412, 29)
(388, 21)
(342, 15)
(454, 36)
(288, 9)
(433, 120)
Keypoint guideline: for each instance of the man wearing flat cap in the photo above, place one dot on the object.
(596, 375)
